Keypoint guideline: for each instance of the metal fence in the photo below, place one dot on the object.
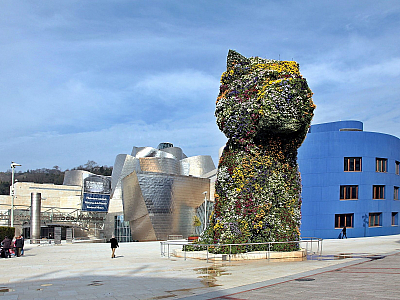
(312, 246)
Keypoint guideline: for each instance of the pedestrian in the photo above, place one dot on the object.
(23, 243)
(114, 245)
(344, 234)
(18, 246)
(6, 246)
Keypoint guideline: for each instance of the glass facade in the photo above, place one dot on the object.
(122, 229)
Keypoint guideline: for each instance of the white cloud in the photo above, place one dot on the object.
(364, 76)
(178, 86)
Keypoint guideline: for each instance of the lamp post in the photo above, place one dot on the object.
(13, 165)
(205, 210)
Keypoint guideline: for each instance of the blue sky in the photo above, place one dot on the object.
(87, 80)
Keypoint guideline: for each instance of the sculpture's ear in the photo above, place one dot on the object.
(235, 58)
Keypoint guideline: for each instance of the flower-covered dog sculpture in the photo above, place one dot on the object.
(265, 108)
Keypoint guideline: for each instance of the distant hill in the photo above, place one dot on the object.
(44, 175)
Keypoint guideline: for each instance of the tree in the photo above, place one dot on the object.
(90, 165)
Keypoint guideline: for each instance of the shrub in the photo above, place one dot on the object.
(6, 231)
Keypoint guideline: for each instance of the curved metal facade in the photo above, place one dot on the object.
(197, 165)
(75, 177)
(160, 190)
(158, 205)
(160, 165)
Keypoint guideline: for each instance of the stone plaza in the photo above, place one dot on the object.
(347, 269)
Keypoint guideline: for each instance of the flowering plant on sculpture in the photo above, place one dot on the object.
(264, 108)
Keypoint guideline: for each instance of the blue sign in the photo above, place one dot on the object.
(95, 202)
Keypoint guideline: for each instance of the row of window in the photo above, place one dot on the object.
(350, 192)
(354, 164)
(374, 220)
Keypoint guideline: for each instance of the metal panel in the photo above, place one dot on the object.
(36, 202)
(124, 165)
(198, 165)
(151, 152)
(168, 201)
(160, 165)
(75, 177)
(176, 152)
(135, 210)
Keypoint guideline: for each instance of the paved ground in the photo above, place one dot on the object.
(376, 279)
(86, 271)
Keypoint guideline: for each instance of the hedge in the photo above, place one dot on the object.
(6, 231)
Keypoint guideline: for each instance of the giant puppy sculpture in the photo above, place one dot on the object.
(265, 108)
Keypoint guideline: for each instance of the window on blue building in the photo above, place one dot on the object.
(395, 218)
(378, 192)
(352, 164)
(396, 193)
(348, 192)
(397, 168)
(375, 219)
(381, 165)
(342, 220)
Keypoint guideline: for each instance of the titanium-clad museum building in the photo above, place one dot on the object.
(350, 178)
(153, 194)
(160, 192)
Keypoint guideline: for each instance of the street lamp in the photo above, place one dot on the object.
(13, 165)
(205, 210)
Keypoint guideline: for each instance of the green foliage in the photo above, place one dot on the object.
(93, 167)
(6, 231)
(4, 188)
(196, 221)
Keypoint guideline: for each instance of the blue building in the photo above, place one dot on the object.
(350, 178)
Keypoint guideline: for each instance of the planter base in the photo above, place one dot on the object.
(292, 255)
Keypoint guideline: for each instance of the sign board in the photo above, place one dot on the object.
(95, 202)
(97, 184)
(96, 193)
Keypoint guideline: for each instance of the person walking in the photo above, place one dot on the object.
(23, 243)
(6, 246)
(18, 246)
(344, 234)
(114, 245)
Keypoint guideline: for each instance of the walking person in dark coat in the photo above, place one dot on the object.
(344, 234)
(23, 243)
(18, 246)
(114, 245)
(6, 246)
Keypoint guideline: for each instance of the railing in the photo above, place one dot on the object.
(305, 243)
(309, 245)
